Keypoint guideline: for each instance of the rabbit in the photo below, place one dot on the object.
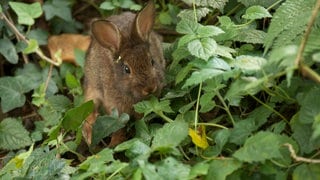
(124, 64)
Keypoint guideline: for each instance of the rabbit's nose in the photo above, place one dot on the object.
(149, 90)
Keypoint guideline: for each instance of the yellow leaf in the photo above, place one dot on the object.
(199, 138)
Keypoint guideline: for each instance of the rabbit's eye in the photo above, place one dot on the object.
(126, 69)
(152, 62)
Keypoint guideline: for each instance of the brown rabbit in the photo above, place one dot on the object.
(124, 63)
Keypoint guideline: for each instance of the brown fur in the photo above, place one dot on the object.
(130, 37)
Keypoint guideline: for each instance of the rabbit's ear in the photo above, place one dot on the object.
(107, 34)
(144, 21)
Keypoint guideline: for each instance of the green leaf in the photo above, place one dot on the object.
(249, 63)
(149, 170)
(75, 116)
(214, 67)
(11, 93)
(166, 166)
(242, 130)
(203, 48)
(71, 81)
(134, 148)
(189, 13)
(26, 12)
(107, 6)
(258, 2)
(57, 8)
(259, 147)
(8, 50)
(220, 168)
(209, 31)
(32, 47)
(163, 137)
(256, 12)
(80, 57)
(316, 127)
(13, 135)
(105, 125)
(29, 76)
(199, 169)
(206, 102)
(187, 26)
(153, 105)
(310, 103)
(40, 35)
(306, 172)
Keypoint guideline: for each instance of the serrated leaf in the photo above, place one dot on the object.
(134, 148)
(256, 12)
(163, 137)
(249, 63)
(153, 105)
(214, 67)
(32, 47)
(13, 135)
(216, 4)
(259, 147)
(11, 93)
(263, 3)
(199, 169)
(8, 50)
(251, 36)
(26, 12)
(187, 26)
(220, 168)
(199, 138)
(149, 170)
(203, 48)
(242, 130)
(316, 127)
(206, 102)
(209, 31)
(189, 13)
(75, 116)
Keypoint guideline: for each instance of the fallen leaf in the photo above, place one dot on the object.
(62, 46)
(199, 137)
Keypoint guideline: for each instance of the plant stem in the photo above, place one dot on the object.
(270, 108)
(213, 124)
(226, 108)
(196, 116)
(23, 38)
(164, 117)
(304, 40)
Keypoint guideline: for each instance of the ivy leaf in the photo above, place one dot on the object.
(256, 12)
(107, 124)
(32, 47)
(165, 167)
(13, 135)
(75, 116)
(11, 93)
(219, 169)
(203, 48)
(163, 137)
(57, 8)
(8, 50)
(26, 12)
(260, 147)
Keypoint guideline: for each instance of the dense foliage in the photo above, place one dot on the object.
(242, 99)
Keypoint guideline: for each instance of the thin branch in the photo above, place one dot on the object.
(298, 158)
(23, 38)
(48, 78)
(304, 40)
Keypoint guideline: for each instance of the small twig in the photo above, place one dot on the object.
(298, 158)
(304, 40)
(48, 78)
(23, 38)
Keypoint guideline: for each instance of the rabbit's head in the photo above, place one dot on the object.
(137, 61)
